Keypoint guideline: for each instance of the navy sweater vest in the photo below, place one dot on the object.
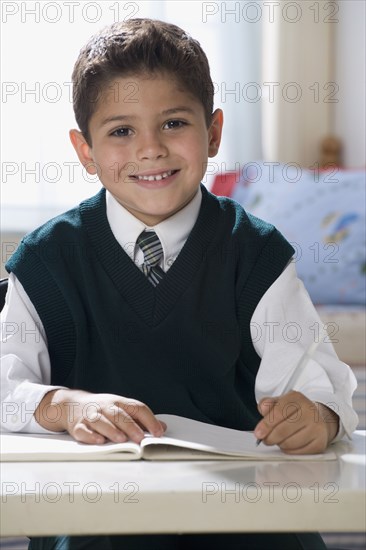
(183, 347)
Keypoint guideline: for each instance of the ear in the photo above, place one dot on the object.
(214, 132)
(83, 151)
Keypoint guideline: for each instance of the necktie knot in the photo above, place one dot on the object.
(151, 246)
(152, 249)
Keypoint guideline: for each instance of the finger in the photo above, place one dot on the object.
(298, 441)
(81, 432)
(288, 408)
(311, 446)
(308, 439)
(163, 425)
(267, 407)
(283, 435)
(144, 416)
(121, 423)
(111, 426)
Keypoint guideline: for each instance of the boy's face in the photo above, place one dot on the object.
(150, 144)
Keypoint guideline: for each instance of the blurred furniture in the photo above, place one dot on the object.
(331, 152)
(3, 290)
(322, 214)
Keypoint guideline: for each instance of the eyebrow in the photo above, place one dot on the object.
(167, 112)
(178, 110)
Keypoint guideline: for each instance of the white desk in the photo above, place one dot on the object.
(171, 497)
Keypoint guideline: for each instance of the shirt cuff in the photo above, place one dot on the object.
(17, 412)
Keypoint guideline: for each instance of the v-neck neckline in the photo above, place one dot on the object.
(152, 304)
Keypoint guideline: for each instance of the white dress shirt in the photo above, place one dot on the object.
(283, 325)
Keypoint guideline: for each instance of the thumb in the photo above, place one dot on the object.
(266, 404)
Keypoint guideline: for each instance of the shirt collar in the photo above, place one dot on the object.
(172, 232)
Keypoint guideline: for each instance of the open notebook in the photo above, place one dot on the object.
(184, 439)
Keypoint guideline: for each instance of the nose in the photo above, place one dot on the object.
(151, 146)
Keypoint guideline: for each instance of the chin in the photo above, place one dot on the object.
(163, 209)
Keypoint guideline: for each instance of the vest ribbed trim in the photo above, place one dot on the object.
(52, 309)
(151, 303)
(276, 253)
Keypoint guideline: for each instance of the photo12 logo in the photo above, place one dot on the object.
(90, 492)
(54, 12)
(271, 491)
(255, 12)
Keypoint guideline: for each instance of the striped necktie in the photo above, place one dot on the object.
(151, 246)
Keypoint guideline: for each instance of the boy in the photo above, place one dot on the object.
(172, 330)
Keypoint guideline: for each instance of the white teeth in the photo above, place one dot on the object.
(158, 177)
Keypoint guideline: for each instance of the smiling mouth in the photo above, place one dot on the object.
(155, 177)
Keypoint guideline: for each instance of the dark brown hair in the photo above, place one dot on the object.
(139, 46)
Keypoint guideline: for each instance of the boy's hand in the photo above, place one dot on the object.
(296, 424)
(97, 417)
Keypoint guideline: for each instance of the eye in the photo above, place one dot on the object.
(173, 124)
(121, 132)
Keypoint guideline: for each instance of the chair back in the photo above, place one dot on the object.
(3, 290)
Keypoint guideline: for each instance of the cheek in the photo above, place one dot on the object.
(194, 151)
(112, 161)
(199, 146)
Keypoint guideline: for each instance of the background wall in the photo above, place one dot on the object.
(297, 62)
(349, 65)
(315, 56)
